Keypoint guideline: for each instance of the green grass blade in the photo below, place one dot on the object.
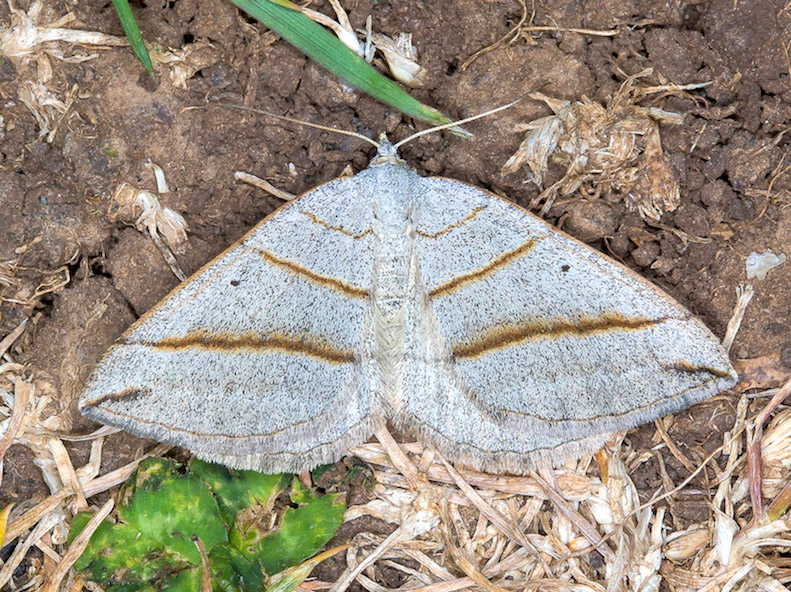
(323, 47)
(133, 33)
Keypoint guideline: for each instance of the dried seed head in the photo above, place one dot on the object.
(401, 57)
(130, 203)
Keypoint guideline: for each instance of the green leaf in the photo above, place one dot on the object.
(170, 509)
(185, 581)
(236, 489)
(123, 556)
(161, 508)
(133, 33)
(318, 43)
(303, 530)
(152, 549)
(231, 571)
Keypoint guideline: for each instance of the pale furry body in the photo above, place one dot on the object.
(424, 301)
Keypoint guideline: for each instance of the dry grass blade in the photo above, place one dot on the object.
(780, 504)
(9, 339)
(400, 460)
(745, 295)
(594, 32)
(76, 548)
(30, 518)
(20, 551)
(68, 475)
(754, 452)
(205, 578)
(263, 184)
(674, 450)
(346, 580)
(22, 394)
(500, 521)
(579, 521)
(4, 521)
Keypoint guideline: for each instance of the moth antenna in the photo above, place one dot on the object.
(459, 122)
(300, 122)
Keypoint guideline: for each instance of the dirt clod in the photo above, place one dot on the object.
(590, 221)
(646, 254)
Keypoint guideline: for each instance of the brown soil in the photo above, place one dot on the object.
(54, 196)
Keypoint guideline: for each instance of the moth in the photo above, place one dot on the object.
(423, 301)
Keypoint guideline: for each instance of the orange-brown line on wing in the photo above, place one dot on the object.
(684, 366)
(322, 280)
(506, 336)
(329, 226)
(472, 215)
(127, 393)
(500, 262)
(255, 343)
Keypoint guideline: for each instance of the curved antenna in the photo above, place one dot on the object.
(301, 122)
(459, 122)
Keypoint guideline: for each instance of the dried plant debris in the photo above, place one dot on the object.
(400, 54)
(46, 106)
(142, 209)
(776, 455)
(401, 58)
(173, 526)
(28, 418)
(23, 286)
(588, 531)
(584, 525)
(186, 61)
(23, 39)
(615, 148)
(342, 28)
(25, 42)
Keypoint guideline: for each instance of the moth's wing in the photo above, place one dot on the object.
(254, 361)
(533, 347)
